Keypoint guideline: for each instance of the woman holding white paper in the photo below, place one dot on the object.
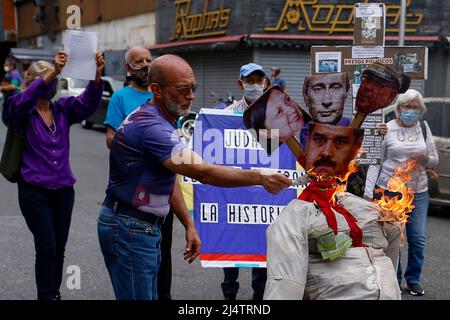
(46, 193)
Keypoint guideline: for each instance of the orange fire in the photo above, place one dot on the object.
(396, 208)
(352, 168)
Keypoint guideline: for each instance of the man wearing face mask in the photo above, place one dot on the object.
(252, 84)
(126, 100)
(12, 87)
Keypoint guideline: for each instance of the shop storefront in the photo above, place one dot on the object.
(218, 36)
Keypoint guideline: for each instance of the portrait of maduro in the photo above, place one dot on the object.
(275, 119)
(330, 149)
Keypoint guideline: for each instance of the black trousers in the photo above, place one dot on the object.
(230, 285)
(165, 270)
(48, 215)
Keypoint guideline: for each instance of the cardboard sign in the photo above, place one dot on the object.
(412, 61)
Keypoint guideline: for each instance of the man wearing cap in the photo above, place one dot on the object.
(277, 79)
(252, 83)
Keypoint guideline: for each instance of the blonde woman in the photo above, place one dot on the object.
(46, 193)
(403, 141)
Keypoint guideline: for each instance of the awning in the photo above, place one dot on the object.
(26, 54)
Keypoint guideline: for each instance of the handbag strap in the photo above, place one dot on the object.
(424, 130)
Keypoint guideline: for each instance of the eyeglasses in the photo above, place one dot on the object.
(185, 90)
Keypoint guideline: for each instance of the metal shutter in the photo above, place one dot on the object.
(217, 72)
(418, 85)
(294, 66)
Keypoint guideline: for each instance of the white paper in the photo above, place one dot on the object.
(327, 62)
(366, 10)
(361, 52)
(81, 47)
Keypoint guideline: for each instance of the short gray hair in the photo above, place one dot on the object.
(406, 98)
(37, 69)
(128, 53)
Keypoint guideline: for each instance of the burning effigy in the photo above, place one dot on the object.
(330, 244)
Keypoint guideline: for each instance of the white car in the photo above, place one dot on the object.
(74, 87)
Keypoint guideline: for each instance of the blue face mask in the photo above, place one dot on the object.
(51, 92)
(409, 117)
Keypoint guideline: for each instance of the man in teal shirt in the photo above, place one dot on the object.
(128, 99)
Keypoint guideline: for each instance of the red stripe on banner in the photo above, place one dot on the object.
(232, 257)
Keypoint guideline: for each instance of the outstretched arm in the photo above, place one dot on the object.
(190, 164)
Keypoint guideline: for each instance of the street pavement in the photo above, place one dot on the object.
(89, 159)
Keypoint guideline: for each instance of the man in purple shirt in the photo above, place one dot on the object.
(146, 155)
(46, 193)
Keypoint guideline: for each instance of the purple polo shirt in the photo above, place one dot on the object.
(137, 176)
(45, 161)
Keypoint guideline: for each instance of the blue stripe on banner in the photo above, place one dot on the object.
(246, 265)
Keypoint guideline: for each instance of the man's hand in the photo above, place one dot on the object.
(60, 61)
(383, 129)
(193, 244)
(275, 183)
(368, 198)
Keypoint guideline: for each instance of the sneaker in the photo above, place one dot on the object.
(415, 289)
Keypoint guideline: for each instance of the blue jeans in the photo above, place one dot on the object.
(230, 286)
(416, 233)
(131, 250)
(48, 214)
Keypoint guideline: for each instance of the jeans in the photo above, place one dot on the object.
(48, 215)
(416, 233)
(165, 269)
(230, 286)
(131, 250)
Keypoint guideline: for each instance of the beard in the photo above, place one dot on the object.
(173, 107)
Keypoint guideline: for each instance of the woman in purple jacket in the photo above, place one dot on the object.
(46, 193)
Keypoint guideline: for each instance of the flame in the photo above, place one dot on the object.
(397, 207)
(341, 181)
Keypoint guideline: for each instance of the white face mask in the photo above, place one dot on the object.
(253, 91)
(6, 68)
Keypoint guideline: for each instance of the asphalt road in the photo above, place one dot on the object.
(89, 159)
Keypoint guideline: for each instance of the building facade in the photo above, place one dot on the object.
(7, 29)
(218, 36)
(119, 26)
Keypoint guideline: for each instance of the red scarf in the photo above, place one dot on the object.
(322, 193)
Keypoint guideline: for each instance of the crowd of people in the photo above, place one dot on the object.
(146, 154)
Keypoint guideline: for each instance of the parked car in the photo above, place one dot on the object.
(74, 87)
(438, 118)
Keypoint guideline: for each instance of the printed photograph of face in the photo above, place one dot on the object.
(379, 87)
(374, 93)
(325, 96)
(331, 148)
(276, 112)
